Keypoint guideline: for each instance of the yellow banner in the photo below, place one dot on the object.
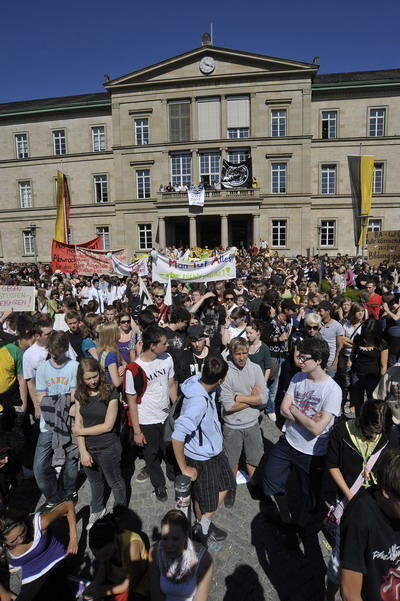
(366, 180)
(60, 233)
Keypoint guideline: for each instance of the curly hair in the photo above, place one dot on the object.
(104, 389)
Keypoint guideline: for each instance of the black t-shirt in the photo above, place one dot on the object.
(76, 343)
(370, 545)
(189, 364)
(94, 413)
(177, 341)
(212, 318)
(366, 362)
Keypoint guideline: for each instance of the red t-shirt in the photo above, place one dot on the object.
(374, 304)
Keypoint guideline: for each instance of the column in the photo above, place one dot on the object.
(256, 229)
(192, 232)
(224, 231)
(195, 168)
(161, 232)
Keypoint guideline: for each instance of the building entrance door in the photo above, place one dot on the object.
(240, 230)
(177, 231)
(209, 231)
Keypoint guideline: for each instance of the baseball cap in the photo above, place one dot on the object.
(196, 331)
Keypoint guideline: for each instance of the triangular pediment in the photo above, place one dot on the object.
(225, 63)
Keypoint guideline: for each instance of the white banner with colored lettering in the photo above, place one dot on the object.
(121, 268)
(196, 196)
(220, 267)
(17, 298)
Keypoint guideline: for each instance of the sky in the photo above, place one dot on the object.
(53, 49)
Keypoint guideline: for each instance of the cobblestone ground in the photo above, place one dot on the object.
(255, 562)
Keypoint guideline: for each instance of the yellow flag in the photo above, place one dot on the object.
(60, 233)
(366, 180)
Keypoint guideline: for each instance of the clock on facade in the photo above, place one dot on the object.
(207, 64)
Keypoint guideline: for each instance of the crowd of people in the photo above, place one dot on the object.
(311, 344)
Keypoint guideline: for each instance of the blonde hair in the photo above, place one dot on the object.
(312, 319)
(109, 334)
(238, 344)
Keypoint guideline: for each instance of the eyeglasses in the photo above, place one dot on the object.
(125, 321)
(312, 327)
(304, 358)
(159, 296)
(229, 298)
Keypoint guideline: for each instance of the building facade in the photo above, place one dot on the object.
(175, 122)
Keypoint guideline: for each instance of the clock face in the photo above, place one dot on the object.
(207, 64)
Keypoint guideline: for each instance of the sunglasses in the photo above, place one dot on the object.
(125, 321)
(312, 327)
(159, 296)
(229, 298)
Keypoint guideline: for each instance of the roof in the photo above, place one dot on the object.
(80, 101)
(381, 76)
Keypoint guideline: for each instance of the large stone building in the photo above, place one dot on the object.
(176, 121)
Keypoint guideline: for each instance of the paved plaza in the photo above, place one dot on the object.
(255, 563)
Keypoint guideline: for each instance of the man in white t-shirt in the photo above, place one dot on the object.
(35, 355)
(149, 410)
(310, 405)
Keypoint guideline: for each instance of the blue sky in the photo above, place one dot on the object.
(57, 49)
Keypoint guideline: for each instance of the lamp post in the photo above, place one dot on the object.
(318, 237)
(33, 229)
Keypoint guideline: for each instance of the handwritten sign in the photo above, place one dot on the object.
(17, 298)
(383, 246)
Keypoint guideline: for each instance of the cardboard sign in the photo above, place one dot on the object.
(17, 298)
(383, 246)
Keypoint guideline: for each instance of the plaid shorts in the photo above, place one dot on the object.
(213, 476)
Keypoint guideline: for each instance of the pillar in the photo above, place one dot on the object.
(224, 231)
(192, 232)
(256, 229)
(161, 232)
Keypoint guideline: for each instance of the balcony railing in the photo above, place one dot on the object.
(215, 194)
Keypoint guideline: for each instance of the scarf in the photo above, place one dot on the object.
(178, 568)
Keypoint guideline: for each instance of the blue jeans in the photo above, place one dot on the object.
(55, 490)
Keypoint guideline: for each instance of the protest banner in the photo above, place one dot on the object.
(17, 298)
(63, 256)
(196, 196)
(139, 266)
(90, 261)
(383, 246)
(220, 267)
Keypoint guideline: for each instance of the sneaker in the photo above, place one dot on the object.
(161, 493)
(216, 533)
(94, 517)
(230, 498)
(72, 497)
(198, 534)
(142, 476)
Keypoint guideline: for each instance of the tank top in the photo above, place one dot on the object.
(183, 590)
(45, 552)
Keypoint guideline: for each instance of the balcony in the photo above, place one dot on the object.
(211, 196)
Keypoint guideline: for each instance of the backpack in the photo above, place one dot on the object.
(173, 414)
(140, 384)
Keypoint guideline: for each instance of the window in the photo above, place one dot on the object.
(25, 194)
(278, 178)
(141, 131)
(238, 132)
(208, 110)
(59, 142)
(29, 242)
(377, 186)
(329, 124)
(374, 225)
(179, 120)
(98, 139)
(376, 122)
(238, 156)
(238, 116)
(143, 183)
(210, 167)
(278, 123)
(145, 236)
(104, 233)
(328, 179)
(100, 188)
(181, 169)
(21, 143)
(327, 232)
(279, 232)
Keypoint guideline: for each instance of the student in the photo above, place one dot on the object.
(109, 357)
(41, 557)
(56, 384)
(96, 428)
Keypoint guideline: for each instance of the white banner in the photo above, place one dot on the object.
(220, 267)
(196, 196)
(17, 298)
(121, 268)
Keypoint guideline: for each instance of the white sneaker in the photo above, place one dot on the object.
(94, 517)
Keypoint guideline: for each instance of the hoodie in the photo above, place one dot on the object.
(241, 381)
(198, 413)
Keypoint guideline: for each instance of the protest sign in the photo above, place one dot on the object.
(90, 261)
(63, 256)
(383, 246)
(121, 268)
(220, 267)
(17, 298)
(196, 196)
